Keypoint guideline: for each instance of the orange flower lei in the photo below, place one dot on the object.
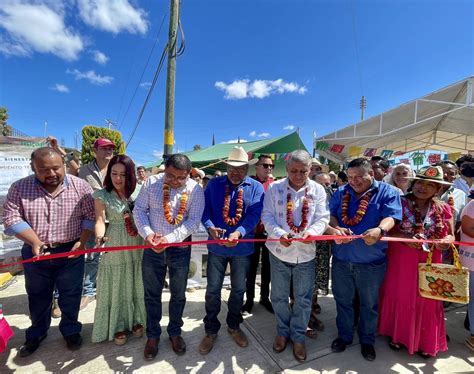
(167, 206)
(361, 210)
(238, 210)
(451, 203)
(304, 213)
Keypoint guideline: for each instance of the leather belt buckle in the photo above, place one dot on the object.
(55, 245)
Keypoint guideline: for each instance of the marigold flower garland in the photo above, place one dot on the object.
(129, 226)
(361, 210)
(167, 206)
(304, 213)
(418, 226)
(238, 210)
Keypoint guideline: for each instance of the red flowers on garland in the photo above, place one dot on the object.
(304, 213)
(129, 226)
(361, 210)
(418, 227)
(167, 206)
(238, 210)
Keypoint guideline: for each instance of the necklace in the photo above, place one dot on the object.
(238, 210)
(167, 206)
(418, 226)
(304, 212)
(361, 210)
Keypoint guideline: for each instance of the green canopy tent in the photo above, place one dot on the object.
(210, 159)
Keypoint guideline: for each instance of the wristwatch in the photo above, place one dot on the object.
(383, 232)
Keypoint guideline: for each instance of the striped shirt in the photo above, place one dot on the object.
(58, 219)
(148, 211)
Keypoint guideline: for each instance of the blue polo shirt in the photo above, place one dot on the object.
(252, 210)
(384, 202)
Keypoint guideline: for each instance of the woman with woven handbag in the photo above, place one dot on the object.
(407, 318)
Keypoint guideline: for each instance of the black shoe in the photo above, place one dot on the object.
(423, 354)
(247, 308)
(73, 341)
(339, 345)
(368, 352)
(467, 325)
(267, 305)
(30, 346)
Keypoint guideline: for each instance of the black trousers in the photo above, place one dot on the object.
(260, 248)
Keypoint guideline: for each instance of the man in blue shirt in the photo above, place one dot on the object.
(369, 208)
(233, 207)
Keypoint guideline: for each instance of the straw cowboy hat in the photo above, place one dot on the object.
(324, 168)
(238, 157)
(431, 174)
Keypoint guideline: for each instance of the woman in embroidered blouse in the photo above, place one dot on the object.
(407, 318)
(120, 296)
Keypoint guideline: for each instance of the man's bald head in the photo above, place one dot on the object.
(48, 166)
(44, 152)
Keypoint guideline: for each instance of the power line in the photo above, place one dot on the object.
(143, 71)
(150, 91)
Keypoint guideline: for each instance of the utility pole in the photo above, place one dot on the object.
(363, 105)
(170, 79)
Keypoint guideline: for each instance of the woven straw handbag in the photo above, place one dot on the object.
(444, 282)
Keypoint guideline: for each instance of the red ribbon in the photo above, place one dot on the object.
(205, 242)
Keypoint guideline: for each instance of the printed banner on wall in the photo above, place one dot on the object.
(370, 152)
(15, 156)
(337, 148)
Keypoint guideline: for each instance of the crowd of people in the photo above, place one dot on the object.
(111, 203)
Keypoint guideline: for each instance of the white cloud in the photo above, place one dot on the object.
(100, 57)
(145, 85)
(91, 76)
(234, 141)
(114, 16)
(254, 134)
(244, 88)
(158, 153)
(289, 127)
(37, 27)
(60, 88)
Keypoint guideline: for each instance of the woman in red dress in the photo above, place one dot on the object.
(407, 318)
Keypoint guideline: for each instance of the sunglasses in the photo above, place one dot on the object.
(267, 166)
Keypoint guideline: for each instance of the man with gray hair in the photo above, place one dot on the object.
(294, 207)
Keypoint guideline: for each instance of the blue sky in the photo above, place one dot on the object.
(251, 69)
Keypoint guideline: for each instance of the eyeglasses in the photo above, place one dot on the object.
(267, 166)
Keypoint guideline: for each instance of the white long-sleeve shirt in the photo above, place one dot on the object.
(274, 218)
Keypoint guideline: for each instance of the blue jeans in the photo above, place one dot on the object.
(154, 266)
(239, 268)
(91, 268)
(347, 277)
(292, 323)
(40, 280)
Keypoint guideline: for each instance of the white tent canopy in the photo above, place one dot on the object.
(442, 120)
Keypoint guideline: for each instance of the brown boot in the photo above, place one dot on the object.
(151, 348)
(239, 337)
(207, 343)
(279, 344)
(178, 345)
(299, 351)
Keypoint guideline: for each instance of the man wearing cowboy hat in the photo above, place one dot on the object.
(233, 207)
(317, 167)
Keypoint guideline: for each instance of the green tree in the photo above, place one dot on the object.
(89, 136)
(196, 147)
(4, 128)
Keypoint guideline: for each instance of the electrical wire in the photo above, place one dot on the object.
(150, 91)
(143, 71)
(165, 52)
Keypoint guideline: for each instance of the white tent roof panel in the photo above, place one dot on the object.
(442, 120)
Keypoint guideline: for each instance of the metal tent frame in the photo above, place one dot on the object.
(442, 120)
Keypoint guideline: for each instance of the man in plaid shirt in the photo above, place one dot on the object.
(51, 213)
